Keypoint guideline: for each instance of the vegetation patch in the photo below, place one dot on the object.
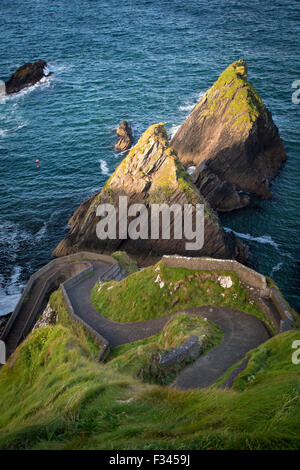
(244, 103)
(126, 263)
(159, 291)
(84, 338)
(142, 358)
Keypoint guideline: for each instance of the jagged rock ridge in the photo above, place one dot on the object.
(151, 173)
(232, 140)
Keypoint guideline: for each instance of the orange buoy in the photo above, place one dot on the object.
(37, 163)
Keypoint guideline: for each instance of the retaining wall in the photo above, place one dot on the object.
(52, 281)
(246, 274)
(282, 321)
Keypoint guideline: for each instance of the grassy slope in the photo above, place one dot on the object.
(139, 297)
(126, 263)
(53, 395)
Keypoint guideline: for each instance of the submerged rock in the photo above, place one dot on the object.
(26, 75)
(125, 140)
(150, 174)
(232, 140)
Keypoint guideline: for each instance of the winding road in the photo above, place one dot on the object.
(242, 332)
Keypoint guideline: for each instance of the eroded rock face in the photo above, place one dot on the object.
(189, 350)
(26, 75)
(48, 317)
(232, 140)
(125, 140)
(150, 174)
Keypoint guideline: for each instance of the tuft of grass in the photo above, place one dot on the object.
(83, 336)
(126, 263)
(141, 296)
(141, 358)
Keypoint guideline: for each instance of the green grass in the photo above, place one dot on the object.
(53, 396)
(126, 263)
(245, 105)
(84, 338)
(140, 358)
(139, 297)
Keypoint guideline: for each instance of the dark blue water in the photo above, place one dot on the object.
(147, 62)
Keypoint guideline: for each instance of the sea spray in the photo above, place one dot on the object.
(2, 91)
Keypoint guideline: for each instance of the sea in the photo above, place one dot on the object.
(145, 61)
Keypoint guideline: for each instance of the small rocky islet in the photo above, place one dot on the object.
(125, 137)
(25, 76)
(231, 139)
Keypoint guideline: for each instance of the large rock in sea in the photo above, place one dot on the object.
(232, 140)
(124, 132)
(151, 173)
(26, 75)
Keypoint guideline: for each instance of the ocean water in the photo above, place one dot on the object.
(144, 61)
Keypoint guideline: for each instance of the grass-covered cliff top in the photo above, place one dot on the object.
(159, 291)
(53, 395)
(235, 96)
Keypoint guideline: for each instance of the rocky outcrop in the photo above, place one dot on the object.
(232, 140)
(25, 76)
(150, 174)
(189, 351)
(48, 318)
(125, 140)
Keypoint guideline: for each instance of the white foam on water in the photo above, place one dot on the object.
(173, 130)
(264, 239)
(276, 268)
(2, 92)
(42, 232)
(191, 102)
(9, 296)
(45, 82)
(104, 168)
(191, 170)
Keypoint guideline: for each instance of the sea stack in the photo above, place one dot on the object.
(125, 140)
(232, 140)
(26, 75)
(150, 174)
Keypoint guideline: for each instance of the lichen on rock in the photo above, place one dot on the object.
(151, 173)
(232, 140)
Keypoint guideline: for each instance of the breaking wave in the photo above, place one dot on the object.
(265, 239)
(104, 168)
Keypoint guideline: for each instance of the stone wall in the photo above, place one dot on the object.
(246, 274)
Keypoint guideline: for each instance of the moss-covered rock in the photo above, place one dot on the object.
(232, 140)
(151, 173)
